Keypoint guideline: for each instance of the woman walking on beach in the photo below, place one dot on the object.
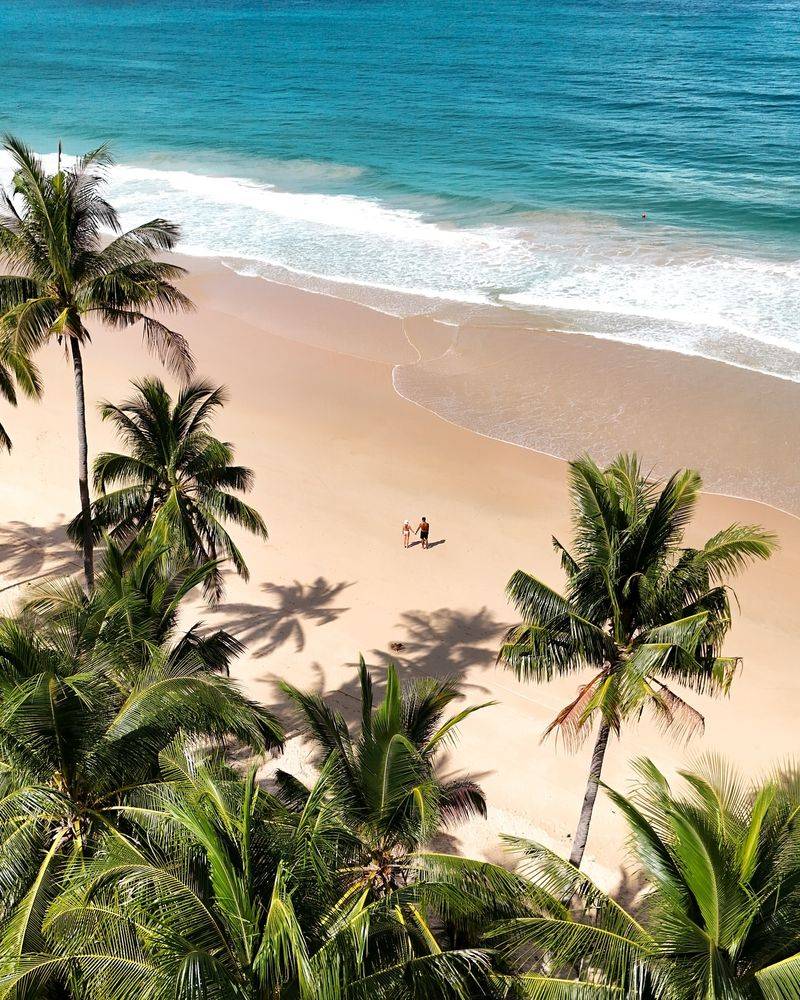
(406, 533)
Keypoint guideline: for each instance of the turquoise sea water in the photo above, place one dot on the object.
(495, 152)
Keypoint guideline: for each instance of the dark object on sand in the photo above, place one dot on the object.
(396, 646)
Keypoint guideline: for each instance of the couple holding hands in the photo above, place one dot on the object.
(423, 530)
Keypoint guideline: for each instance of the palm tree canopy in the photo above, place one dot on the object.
(176, 477)
(134, 607)
(63, 271)
(640, 608)
(720, 917)
(89, 701)
(218, 890)
(383, 781)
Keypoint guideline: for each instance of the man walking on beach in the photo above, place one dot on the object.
(423, 530)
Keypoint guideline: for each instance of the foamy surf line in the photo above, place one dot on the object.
(643, 286)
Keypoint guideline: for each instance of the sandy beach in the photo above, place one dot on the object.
(341, 458)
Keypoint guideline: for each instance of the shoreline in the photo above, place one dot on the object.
(453, 301)
(659, 285)
(340, 458)
(560, 458)
(458, 322)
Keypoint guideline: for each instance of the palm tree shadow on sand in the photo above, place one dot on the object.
(264, 628)
(31, 552)
(442, 644)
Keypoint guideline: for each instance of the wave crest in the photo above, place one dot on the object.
(652, 286)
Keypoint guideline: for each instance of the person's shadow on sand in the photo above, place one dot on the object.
(431, 545)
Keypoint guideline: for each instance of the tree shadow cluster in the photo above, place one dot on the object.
(30, 552)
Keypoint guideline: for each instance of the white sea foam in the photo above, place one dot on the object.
(644, 285)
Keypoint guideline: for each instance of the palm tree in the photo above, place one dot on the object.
(88, 707)
(720, 917)
(384, 783)
(135, 606)
(62, 275)
(218, 890)
(640, 609)
(177, 478)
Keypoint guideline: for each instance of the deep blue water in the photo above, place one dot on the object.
(541, 131)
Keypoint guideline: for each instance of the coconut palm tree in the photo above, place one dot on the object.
(135, 606)
(63, 275)
(85, 717)
(384, 782)
(176, 478)
(720, 914)
(640, 609)
(220, 891)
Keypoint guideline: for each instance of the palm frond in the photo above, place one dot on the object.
(731, 550)
(780, 981)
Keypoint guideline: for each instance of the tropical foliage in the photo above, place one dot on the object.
(641, 610)
(382, 784)
(136, 606)
(720, 913)
(16, 371)
(176, 478)
(219, 890)
(93, 690)
(134, 861)
(63, 274)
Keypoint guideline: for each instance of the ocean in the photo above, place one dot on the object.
(630, 166)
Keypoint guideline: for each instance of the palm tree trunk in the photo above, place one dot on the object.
(582, 833)
(83, 464)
